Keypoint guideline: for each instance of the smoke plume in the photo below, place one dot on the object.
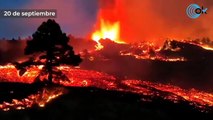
(156, 20)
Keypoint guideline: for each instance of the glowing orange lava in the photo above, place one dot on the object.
(150, 52)
(145, 50)
(85, 78)
(40, 99)
(108, 24)
(107, 31)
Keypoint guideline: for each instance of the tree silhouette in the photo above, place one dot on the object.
(52, 46)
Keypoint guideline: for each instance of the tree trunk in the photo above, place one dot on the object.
(49, 65)
(50, 76)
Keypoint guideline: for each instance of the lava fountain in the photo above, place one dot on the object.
(108, 25)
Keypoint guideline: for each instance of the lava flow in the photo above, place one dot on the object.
(85, 78)
(149, 51)
(176, 48)
(40, 99)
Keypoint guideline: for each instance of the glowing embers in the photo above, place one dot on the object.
(150, 52)
(170, 51)
(79, 78)
(205, 43)
(195, 97)
(85, 78)
(10, 73)
(40, 99)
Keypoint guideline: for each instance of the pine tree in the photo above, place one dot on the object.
(52, 44)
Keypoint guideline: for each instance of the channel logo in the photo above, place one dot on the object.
(194, 11)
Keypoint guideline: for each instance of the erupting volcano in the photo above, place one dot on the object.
(107, 77)
(108, 24)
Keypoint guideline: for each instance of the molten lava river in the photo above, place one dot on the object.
(89, 78)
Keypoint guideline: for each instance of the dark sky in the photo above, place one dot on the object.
(75, 16)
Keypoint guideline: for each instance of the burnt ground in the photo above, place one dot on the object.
(195, 72)
(97, 104)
